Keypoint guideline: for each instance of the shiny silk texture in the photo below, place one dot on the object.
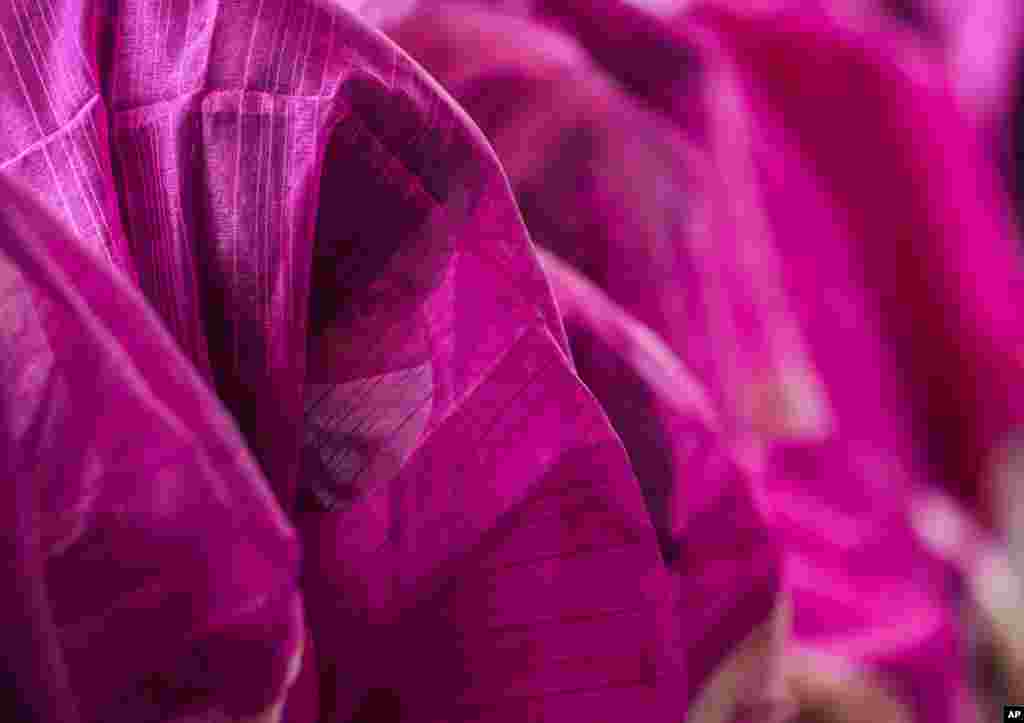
(149, 574)
(620, 196)
(874, 205)
(977, 46)
(961, 299)
(909, 292)
(731, 618)
(625, 198)
(921, 254)
(332, 245)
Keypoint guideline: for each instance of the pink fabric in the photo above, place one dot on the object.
(724, 559)
(333, 249)
(924, 321)
(914, 248)
(626, 199)
(148, 571)
(333, 246)
(978, 43)
(932, 238)
(924, 290)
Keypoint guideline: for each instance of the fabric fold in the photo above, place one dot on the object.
(153, 524)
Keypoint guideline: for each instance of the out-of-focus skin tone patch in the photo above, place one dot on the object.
(994, 589)
(752, 679)
(1006, 581)
(1005, 476)
(789, 403)
(828, 689)
(997, 600)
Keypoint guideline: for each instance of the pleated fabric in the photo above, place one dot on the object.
(913, 252)
(334, 248)
(871, 253)
(732, 618)
(628, 204)
(148, 572)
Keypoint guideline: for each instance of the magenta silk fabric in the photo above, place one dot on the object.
(148, 572)
(612, 189)
(625, 198)
(731, 618)
(948, 289)
(853, 214)
(912, 242)
(267, 286)
(929, 241)
(333, 246)
(874, 206)
(977, 44)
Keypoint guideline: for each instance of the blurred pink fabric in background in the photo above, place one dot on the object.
(917, 357)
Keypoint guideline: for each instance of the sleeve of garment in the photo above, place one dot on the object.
(151, 575)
